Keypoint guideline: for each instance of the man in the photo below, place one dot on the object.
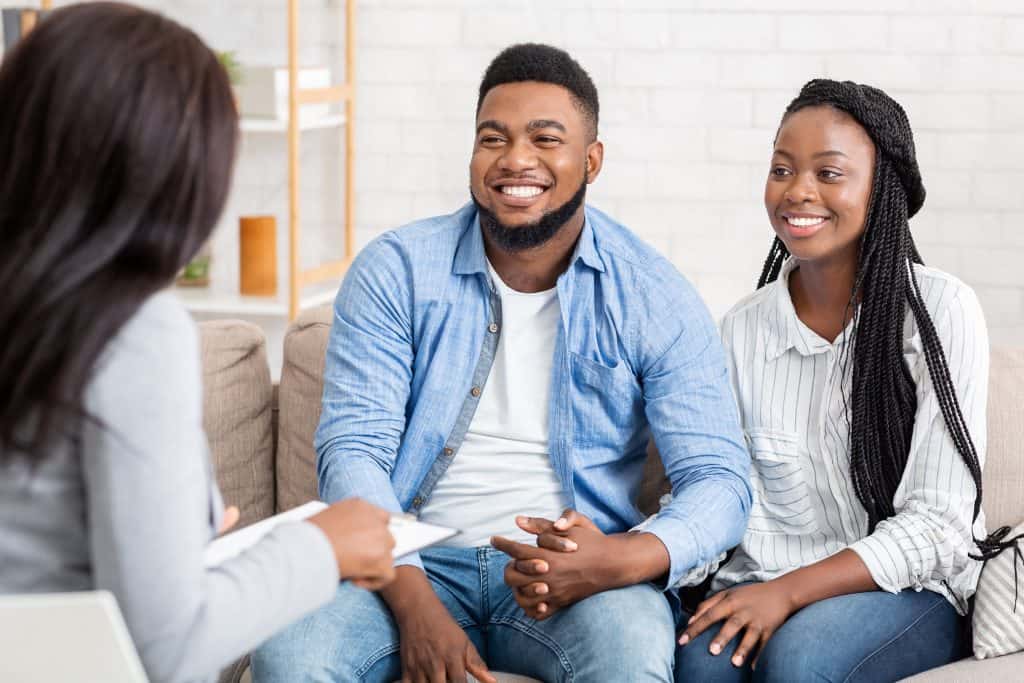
(513, 358)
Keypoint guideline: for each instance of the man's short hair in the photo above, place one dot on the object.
(545, 64)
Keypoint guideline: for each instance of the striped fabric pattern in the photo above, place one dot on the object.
(791, 386)
(999, 603)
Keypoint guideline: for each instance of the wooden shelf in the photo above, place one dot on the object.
(257, 125)
(210, 301)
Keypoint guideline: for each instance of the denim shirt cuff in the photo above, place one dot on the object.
(410, 560)
(682, 545)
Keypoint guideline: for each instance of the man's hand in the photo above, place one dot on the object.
(757, 609)
(434, 648)
(526, 577)
(572, 562)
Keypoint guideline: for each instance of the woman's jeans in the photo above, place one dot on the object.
(873, 637)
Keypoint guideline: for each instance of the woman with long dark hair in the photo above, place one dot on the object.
(118, 132)
(861, 377)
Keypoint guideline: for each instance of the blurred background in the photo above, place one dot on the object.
(691, 93)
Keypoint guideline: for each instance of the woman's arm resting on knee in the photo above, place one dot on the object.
(758, 610)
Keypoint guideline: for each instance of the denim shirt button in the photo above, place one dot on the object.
(475, 391)
(417, 501)
(492, 328)
(448, 452)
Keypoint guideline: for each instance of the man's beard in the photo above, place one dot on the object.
(530, 235)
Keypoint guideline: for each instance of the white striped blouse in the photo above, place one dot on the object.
(789, 384)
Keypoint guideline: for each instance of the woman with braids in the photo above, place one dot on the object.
(861, 376)
(118, 131)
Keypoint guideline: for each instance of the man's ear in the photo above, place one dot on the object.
(595, 159)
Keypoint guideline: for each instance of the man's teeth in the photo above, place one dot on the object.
(804, 222)
(521, 190)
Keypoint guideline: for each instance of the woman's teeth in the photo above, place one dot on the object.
(521, 190)
(804, 222)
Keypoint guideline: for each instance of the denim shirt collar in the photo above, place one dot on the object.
(471, 259)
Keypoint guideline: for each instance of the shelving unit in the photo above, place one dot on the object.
(301, 290)
(197, 300)
(297, 295)
(257, 125)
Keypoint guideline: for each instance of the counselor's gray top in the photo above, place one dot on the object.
(130, 506)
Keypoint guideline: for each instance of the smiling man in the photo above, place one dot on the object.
(514, 358)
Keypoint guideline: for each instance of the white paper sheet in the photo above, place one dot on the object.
(410, 535)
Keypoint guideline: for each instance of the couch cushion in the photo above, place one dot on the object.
(1006, 668)
(997, 621)
(237, 415)
(1004, 462)
(299, 395)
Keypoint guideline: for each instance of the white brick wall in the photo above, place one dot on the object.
(691, 93)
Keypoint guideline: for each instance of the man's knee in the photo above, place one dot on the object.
(341, 641)
(628, 630)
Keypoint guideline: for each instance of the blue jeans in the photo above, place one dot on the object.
(621, 635)
(873, 636)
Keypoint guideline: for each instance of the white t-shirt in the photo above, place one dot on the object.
(503, 468)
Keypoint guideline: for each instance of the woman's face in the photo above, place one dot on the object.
(819, 184)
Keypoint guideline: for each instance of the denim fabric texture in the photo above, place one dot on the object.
(856, 638)
(619, 635)
(413, 337)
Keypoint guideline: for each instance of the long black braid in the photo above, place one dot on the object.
(883, 397)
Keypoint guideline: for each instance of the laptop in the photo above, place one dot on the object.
(80, 637)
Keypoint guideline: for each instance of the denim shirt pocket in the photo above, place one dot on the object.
(782, 494)
(605, 403)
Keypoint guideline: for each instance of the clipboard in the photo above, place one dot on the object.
(410, 535)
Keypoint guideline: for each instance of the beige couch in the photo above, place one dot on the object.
(261, 439)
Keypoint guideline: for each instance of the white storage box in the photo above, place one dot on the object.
(263, 93)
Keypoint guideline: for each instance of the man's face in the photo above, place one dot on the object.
(532, 153)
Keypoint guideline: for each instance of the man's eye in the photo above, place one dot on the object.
(547, 140)
(491, 140)
(779, 171)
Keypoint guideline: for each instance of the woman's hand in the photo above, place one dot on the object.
(228, 520)
(358, 532)
(756, 609)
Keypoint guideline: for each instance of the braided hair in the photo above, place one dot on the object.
(882, 403)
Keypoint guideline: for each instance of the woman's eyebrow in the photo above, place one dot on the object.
(826, 153)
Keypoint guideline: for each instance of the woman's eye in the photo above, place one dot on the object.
(779, 171)
(829, 174)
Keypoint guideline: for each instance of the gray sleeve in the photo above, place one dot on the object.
(149, 513)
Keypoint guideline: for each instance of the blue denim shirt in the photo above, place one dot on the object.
(416, 323)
